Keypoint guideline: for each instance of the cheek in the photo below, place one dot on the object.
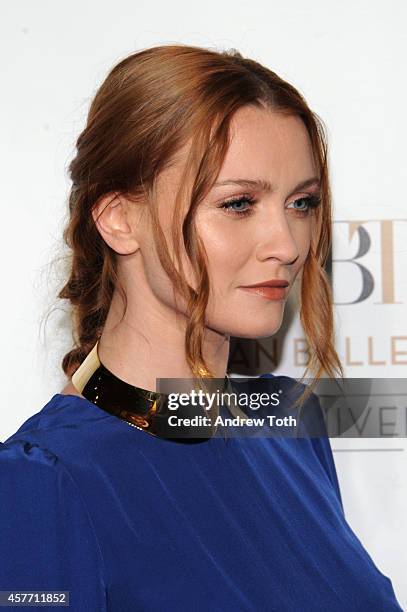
(226, 254)
(302, 233)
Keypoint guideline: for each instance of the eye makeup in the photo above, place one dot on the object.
(310, 202)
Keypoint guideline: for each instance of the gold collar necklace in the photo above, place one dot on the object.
(143, 409)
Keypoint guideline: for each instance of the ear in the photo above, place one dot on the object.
(117, 220)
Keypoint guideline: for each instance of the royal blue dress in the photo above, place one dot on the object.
(129, 522)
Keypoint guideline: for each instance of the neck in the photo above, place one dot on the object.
(149, 343)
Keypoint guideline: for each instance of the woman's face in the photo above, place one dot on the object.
(263, 235)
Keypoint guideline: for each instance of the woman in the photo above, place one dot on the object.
(198, 175)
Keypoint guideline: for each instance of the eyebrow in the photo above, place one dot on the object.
(266, 186)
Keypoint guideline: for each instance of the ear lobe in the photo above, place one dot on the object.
(115, 223)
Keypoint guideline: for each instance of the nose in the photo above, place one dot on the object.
(276, 240)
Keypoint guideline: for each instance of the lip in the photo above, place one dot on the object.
(268, 283)
(272, 292)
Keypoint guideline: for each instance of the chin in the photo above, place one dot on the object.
(250, 328)
(245, 323)
(256, 333)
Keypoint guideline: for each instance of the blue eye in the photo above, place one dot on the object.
(309, 202)
(238, 201)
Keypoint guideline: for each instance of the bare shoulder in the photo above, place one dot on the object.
(69, 389)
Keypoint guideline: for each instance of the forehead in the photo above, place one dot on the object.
(266, 143)
(263, 144)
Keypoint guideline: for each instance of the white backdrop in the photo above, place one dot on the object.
(349, 62)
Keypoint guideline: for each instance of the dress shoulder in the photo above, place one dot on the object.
(321, 443)
(314, 423)
(48, 542)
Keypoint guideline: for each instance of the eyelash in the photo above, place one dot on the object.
(312, 201)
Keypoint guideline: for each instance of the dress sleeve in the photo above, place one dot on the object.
(47, 539)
